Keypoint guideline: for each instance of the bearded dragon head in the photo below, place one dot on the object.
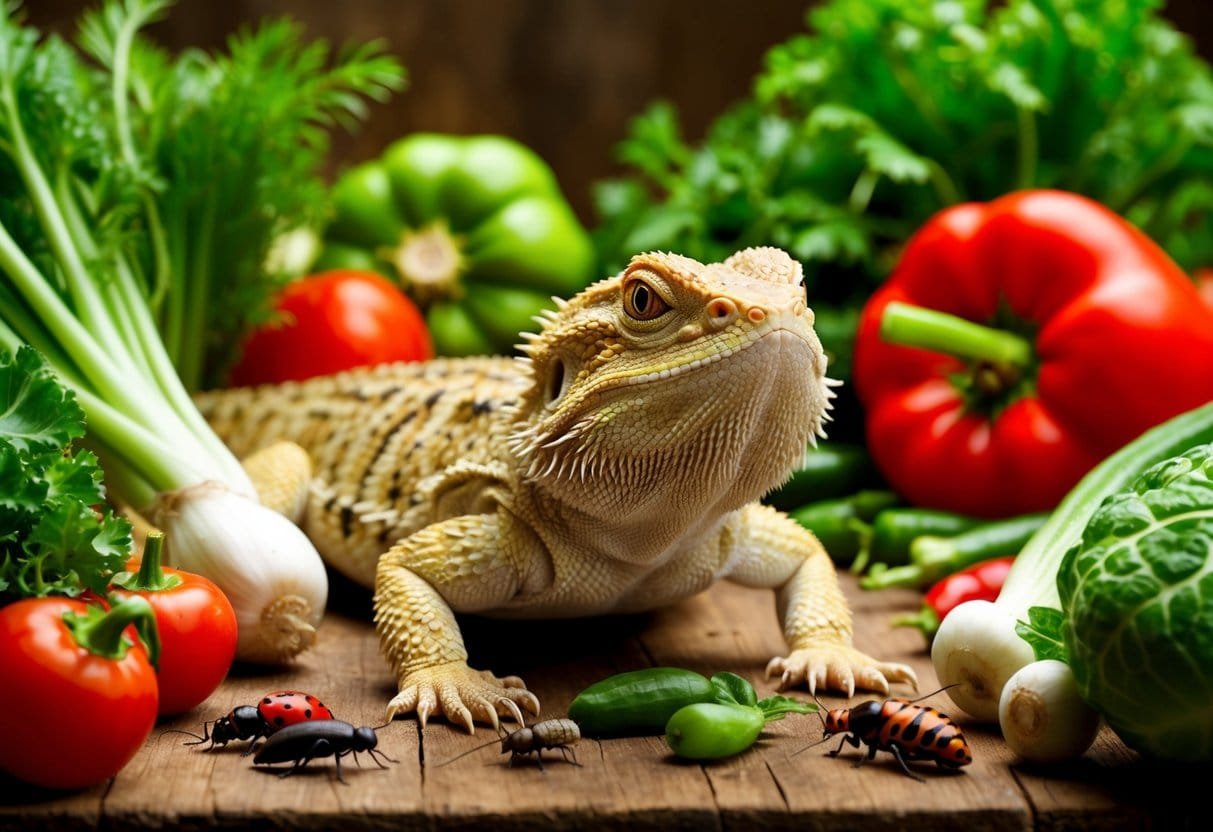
(674, 386)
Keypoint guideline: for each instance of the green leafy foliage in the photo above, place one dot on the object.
(731, 689)
(887, 111)
(55, 536)
(182, 169)
(1042, 631)
(775, 708)
(1137, 593)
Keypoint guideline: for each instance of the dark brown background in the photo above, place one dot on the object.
(563, 76)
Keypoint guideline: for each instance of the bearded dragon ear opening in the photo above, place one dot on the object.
(557, 383)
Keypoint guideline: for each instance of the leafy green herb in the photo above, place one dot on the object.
(54, 535)
(1042, 631)
(887, 111)
(777, 707)
(731, 689)
(185, 167)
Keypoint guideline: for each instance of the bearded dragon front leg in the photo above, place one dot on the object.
(766, 548)
(459, 563)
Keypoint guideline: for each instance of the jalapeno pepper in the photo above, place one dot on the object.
(842, 524)
(980, 582)
(637, 702)
(828, 470)
(475, 229)
(933, 556)
(894, 529)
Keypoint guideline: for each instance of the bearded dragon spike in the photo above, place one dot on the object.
(560, 440)
(767, 263)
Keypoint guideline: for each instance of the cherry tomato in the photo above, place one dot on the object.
(333, 321)
(75, 704)
(197, 628)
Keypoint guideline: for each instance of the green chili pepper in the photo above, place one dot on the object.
(638, 702)
(933, 557)
(842, 523)
(894, 529)
(832, 469)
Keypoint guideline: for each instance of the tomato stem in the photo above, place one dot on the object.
(914, 326)
(103, 633)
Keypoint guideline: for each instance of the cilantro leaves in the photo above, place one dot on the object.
(887, 111)
(55, 534)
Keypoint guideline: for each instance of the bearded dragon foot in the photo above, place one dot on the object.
(838, 667)
(462, 695)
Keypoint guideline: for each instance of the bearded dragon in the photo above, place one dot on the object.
(614, 466)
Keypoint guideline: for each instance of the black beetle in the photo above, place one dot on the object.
(306, 741)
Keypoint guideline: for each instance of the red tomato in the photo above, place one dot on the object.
(197, 639)
(1204, 284)
(69, 718)
(334, 321)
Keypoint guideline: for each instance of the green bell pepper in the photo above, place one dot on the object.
(474, 228)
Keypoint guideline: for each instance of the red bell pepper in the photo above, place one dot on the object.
(1019, 342)
(79, 694)
(980, 582)
(196, 623)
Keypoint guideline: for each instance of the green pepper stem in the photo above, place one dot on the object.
(914, 326)
(151, 576)
(926, 620)
(102, 633)
(910, 575)
(428, 262)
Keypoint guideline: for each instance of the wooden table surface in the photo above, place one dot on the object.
(620, 783)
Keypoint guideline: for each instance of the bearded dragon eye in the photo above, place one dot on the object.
(641, 301)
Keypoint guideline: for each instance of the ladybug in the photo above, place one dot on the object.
(906, 729)
(287, 707)
(276, 710)
(306, 741)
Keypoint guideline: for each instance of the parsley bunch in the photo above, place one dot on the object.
(54, 535)
(887, 111)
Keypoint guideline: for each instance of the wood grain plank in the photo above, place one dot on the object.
(630, 783)
(22, 806)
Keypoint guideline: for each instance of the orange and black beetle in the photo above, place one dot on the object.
(904, 728)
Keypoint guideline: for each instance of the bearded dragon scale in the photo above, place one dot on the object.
(615, 466)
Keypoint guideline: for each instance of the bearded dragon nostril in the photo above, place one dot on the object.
(721, 312)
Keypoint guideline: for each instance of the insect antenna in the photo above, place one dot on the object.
(469, 751)
(821, 709)
(932, 693)
(205, 737)
(811, 745)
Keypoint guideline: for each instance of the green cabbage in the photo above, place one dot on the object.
(1137, 597)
